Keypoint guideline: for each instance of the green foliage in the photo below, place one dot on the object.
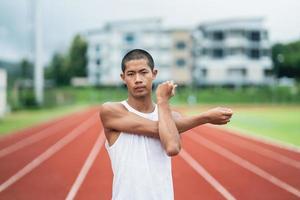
(252, 95)
(18, 70)
(26, 69)
(286, 59)
(65, 66)
(77, 57)
(22, 98)
(59, 70)
(239, 95)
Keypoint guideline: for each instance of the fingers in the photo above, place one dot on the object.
(166, 89)
(227, 111)
(172, 86)
(174, 89)
(223, 122)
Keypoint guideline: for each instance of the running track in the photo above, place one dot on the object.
(66, 159)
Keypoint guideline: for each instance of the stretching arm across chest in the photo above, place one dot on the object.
(117, 118)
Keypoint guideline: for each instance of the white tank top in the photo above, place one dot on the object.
(141, 167)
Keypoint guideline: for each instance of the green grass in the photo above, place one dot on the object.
(279, 122)
(92, 95)
(22, 119)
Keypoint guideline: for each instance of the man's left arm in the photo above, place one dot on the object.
(217, 116)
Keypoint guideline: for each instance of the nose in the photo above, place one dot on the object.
(138, 78)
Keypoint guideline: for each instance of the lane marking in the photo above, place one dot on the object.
(50, 151)
(243, 163)
(202, 172)
(263, 151)
(86, 167)
(259, 138)
(35, 137)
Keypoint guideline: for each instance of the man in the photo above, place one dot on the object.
(141, 135)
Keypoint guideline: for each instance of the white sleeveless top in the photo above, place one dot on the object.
(141, 167)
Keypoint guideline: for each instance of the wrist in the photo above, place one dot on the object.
(206, 117)
(162, 101)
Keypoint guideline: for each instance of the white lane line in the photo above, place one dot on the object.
(202, 172)
(35, 137)
(263, 151)
(49, 152)
(86, 167)
(259, 138)
(243, 163)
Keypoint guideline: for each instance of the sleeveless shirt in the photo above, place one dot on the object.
(141, 167)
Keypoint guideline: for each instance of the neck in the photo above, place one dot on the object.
(143, 104)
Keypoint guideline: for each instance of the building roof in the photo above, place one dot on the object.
(233, 23)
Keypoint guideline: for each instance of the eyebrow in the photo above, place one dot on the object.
(132, 71)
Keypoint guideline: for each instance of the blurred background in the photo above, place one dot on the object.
(60, 56)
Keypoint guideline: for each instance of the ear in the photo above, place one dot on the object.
(122, 75)
(154, 72)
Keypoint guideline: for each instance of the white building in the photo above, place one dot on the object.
(181, 55)
(3, 85)
(107, 46)
(232, 52)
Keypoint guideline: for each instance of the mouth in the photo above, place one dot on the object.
(139, 88)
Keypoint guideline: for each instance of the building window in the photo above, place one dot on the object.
(218, 35)
(180, 45)
(217, 53)
(98, 61)
(254, 36)
(97, 48)
(265, 52)
(254, 53)
(204, 51)
(180, 62)
(235, 51)
(237, 72)
(236, 33)
(264, 35)
(203, 72)
(129, 38)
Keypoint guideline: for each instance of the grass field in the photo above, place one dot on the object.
(22, 119)
(276, 121)
(279, 122)
(93, 95)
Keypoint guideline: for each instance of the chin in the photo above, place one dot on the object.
(140, 95)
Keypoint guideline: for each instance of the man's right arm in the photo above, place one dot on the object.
(115, 117)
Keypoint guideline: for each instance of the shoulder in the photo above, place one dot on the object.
(109, 108)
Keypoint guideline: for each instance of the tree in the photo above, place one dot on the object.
(286, 59)
(77, 57)
(26, 69)
(59, 70)
(63, 67)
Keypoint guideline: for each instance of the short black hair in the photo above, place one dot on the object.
(137, 54)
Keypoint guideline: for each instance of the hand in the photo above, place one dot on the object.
(165, 91)
(219, 115)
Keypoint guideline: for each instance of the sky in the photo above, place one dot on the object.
(62, 19)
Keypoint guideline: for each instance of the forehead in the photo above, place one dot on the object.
(136, 65)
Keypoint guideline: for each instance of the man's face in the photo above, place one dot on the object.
(138, 77)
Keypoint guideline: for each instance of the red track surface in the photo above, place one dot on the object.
(66, 158)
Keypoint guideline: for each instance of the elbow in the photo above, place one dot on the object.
(173, 149)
